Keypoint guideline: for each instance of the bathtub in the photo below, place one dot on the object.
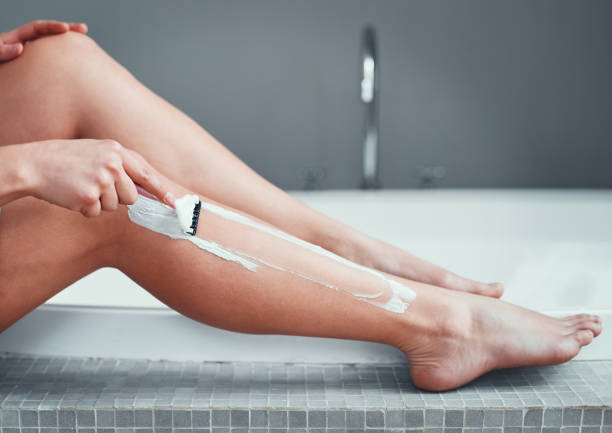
(551, 248)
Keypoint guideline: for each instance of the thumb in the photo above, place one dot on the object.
(10, 51)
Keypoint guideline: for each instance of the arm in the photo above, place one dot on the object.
(87, 176)
(13, 178)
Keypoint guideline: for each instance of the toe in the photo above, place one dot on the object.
(584, 322)
(576, 318)
(497, 289)
(583, 336)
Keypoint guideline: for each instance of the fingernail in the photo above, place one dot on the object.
(144, 192)
(169, 198)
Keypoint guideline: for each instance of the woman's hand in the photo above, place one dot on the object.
(11, 43)
(89, 176)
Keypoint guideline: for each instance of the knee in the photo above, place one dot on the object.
(61, 56)
(41, 89)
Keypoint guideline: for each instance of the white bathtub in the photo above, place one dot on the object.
(552, 249)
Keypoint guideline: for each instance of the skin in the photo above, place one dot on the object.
(96, 98)
(449, 336)
(12, 43)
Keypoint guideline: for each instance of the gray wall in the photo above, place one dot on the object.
(513, 93)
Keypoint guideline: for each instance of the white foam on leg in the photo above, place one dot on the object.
(163, 219)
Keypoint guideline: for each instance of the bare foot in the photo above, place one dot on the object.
(456, 337)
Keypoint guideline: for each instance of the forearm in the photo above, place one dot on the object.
(14, 182)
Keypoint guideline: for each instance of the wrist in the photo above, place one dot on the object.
(24, 175)
(15, 173)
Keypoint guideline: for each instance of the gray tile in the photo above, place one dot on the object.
(124, 418)
(434, 417)
(552, 417)
(375, 418)
(29, 430)
(47, 418)
(105, 418)
(607, 418)
(336, 419)
(513, 418)
(277, 419)
(533, 418)
(181, 418)
(512, 429)
(259, 418)
(239, 418)
(297, 419)
(586, 429)
(144, 418)
(29, 418)
(493, 418)
(551, 430)
(66, 419)
(592, 417)
(86, 418)
(220, 418)
(474, 418)
(414, 418)
(355, 419)
(395, 419)
(571, 417)
(10, 418)
(200, 418)
(162, 418)
(570, 429)
(316, 418)
(453, 418)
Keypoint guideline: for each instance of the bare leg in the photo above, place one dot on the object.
(85, 93)
(449, 337)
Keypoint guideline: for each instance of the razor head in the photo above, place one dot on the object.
(188, 210)
(193, 228)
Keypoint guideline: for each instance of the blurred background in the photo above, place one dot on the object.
(473, 93)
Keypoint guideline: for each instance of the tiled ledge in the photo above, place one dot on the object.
(67, 395)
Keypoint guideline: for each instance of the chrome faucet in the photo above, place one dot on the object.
(369, 91)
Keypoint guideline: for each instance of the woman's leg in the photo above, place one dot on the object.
(77, 86)
(449, 337)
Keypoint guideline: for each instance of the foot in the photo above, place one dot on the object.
(456, 337)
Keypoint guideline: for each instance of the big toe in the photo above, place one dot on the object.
(583, 336)
(592, 323)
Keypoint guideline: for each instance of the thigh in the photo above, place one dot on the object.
(45, 248)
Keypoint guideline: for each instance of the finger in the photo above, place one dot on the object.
(91, 210)
(109, 200)
(10, 51)
(144, 192)
(78, 27)
(36, 29)
(141, 172)
(126, 190)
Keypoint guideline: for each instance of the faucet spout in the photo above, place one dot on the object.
(369, 89)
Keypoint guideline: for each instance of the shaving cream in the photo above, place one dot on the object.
(160, 218)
